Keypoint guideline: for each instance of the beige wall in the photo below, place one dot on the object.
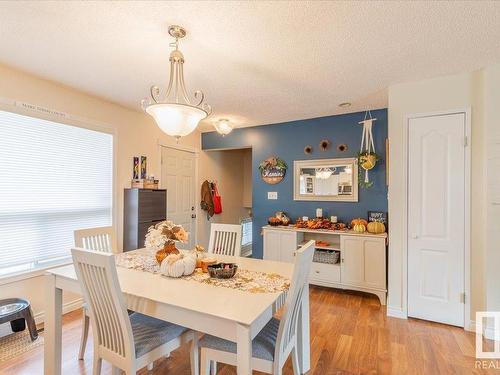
(135, 132)
(478, 91)
(227, 168)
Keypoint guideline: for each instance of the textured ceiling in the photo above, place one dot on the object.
(257, 62)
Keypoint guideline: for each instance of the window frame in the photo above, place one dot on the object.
(63, 118)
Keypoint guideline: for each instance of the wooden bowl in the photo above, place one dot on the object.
(222, 270)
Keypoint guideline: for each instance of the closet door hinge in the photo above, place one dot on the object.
(462, 297)
(466, 141)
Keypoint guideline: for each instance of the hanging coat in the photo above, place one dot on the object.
(207, 203)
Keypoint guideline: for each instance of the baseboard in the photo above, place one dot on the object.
(396, 313)
(488, 332)
(471, 326)
(66, 308)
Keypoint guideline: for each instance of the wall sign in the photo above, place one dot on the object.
(272, 170)
(379, 216)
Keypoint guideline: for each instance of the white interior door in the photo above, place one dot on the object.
(178, 171)
(436, 218)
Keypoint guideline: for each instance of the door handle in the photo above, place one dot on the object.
(414, 236)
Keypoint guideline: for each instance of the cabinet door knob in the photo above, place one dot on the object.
(414, 236)
(316, 271)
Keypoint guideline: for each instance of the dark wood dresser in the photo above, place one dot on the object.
(142, 208)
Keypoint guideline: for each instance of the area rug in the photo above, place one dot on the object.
(16, 344)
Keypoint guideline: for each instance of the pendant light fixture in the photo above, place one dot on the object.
(223, 127)
(324, 173)
(173, 112)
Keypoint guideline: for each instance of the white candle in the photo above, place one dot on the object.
(319, 212)
(333, 219)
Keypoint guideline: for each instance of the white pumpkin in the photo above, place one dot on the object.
(173, 265)
(189, 264)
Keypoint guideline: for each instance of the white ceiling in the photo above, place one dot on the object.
(257, 62)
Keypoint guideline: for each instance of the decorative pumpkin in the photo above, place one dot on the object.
(359, 228)
(359, 221)
(176, 265)
(172, 265)
(376, 227)
(199, 253)
(189, 264)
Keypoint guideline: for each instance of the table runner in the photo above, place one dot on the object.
(245, 280)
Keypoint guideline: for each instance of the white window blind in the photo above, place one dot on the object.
(55, 178)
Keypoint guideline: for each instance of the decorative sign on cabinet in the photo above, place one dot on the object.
(345, 260)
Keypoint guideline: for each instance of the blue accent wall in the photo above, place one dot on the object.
(287, 141)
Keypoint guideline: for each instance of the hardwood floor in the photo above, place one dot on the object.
(350, 334)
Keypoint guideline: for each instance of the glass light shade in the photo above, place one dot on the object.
(323, 173)
(176, 120)
(223, 127)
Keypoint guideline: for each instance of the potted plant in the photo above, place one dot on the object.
(366, 160)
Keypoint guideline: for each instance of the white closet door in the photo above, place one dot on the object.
(178, 177)
(436, 218)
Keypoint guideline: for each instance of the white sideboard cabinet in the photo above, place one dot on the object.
(343, 259)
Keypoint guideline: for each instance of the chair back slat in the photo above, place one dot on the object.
(287, 332)
(98, 239)
(96, 272)
(225, 239)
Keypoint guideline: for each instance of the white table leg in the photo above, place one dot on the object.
(244, 350)
(303, 342)
(52, 327)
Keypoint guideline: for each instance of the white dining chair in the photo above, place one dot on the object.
(98, 239)
(278, 339)
(128, 342)
(225, 239)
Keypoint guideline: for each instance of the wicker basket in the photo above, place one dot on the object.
(326, 256)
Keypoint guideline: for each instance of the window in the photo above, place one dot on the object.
(246, 237)
(55, 178)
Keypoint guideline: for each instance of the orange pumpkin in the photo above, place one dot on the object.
(359, 221)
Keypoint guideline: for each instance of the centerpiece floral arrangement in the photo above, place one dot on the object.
(163, 236)
(162, 239)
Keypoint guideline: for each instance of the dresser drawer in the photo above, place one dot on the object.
(325, 272)
(152, 205)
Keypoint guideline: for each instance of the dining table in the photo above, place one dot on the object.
(233, 314)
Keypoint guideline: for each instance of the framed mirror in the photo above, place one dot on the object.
(326, 180)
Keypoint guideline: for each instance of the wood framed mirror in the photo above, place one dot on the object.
(326, 180)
